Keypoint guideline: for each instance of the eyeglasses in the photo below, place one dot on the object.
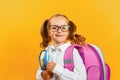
(55, 28)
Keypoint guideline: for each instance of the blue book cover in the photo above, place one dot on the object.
(43, 59)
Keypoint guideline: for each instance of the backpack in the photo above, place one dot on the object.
(93, 60)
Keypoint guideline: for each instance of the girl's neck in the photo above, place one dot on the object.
(57, 44)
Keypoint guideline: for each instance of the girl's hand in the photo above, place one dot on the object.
(50, 66)
(46, 75)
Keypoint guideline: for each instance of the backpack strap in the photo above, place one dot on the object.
(68, 56)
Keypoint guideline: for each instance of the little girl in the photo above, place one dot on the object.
(60, 31)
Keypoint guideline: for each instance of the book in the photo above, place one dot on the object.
(43, 59)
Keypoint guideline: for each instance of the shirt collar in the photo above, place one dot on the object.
(61, 47)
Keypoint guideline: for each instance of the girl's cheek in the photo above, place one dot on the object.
(66, 34)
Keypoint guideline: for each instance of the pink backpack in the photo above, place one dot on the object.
(93, 60)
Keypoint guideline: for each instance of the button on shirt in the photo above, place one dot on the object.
(60, 73)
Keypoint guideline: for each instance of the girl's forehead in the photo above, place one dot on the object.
(58, 19)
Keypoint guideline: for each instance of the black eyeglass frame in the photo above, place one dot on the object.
(64, 28)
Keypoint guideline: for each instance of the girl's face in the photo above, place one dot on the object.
(59, 29)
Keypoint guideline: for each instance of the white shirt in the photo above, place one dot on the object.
(60, 73)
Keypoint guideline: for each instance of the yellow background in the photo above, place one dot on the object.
(20, 21)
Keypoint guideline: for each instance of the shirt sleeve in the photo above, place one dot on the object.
(79, 72)
(38, 74)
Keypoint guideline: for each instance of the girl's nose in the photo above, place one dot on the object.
(59, 29)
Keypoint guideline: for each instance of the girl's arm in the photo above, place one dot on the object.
(79, 72)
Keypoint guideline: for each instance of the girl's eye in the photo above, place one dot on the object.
(54, 27)
(65, 27)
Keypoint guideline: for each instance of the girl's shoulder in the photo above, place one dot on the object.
(48, 47)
